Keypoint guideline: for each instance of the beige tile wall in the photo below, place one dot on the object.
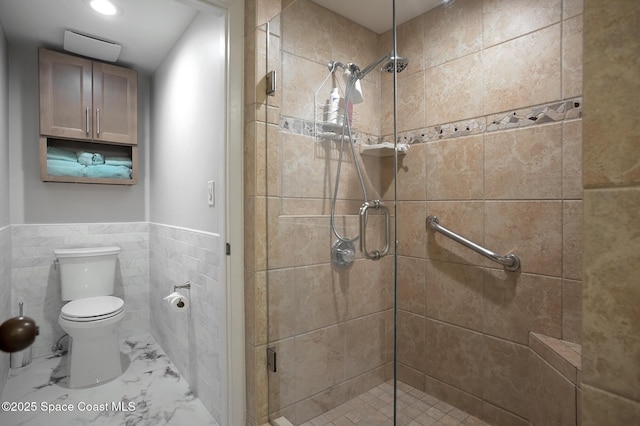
(463, 321)
(611, 343)
(514, 189)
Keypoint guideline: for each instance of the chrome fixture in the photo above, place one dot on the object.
(364, 212)
(58, 349)
(511, 262)
(186, 285)
(342, 251)
(390, 62)
(332, 65)
(343, 254)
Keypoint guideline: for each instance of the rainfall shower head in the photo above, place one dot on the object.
(399, 62)
(387, 62)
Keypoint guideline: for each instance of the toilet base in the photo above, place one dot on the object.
(94, 351)
(93, 361)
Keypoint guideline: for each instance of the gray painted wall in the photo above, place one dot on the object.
(188, 128)
(188, 149)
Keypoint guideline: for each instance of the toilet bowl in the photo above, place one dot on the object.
(94, 355)
(92, 315)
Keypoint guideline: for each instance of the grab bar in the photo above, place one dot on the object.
(375, 204)
(511, 262)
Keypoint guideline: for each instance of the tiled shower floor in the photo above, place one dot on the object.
(375, 408)
(158, 393)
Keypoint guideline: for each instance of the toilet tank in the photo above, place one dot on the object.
(87, 272)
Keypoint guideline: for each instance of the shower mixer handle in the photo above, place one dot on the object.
(364, 213)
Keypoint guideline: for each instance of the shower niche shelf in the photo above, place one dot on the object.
(384, 149)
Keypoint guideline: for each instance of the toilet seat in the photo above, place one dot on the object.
(92, 308)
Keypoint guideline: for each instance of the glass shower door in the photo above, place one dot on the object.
(330, 218)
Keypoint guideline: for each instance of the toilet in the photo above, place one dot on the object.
(91, 317)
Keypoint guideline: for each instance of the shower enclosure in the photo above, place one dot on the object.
(361, 312)
(330, 214)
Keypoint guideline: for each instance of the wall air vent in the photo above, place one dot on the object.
(91, 47)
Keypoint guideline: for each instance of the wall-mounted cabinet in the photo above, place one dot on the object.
(88, 102)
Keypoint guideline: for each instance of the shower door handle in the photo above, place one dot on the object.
(364, 215)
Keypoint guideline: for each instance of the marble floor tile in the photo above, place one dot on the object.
(151, 391)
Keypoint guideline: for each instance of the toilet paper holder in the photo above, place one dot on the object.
(186, 285)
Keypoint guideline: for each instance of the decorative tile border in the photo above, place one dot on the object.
(549, 113)
(297, 126)
(559, 111)
(532, 116)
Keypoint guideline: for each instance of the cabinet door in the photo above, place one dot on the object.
(115, 104)
(65, 95)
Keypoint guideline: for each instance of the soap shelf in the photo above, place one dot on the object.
(384, 149)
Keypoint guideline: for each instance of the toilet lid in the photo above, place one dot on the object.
(92, 308)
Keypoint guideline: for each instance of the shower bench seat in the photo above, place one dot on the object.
(555, 368)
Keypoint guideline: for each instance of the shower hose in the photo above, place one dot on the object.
(346, 132)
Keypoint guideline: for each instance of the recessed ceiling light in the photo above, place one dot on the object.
(104, 6)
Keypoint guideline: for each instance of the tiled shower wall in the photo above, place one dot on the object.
(5, 294)
(611, 340)
(37, 283)
(194, 339)
(491, 104)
